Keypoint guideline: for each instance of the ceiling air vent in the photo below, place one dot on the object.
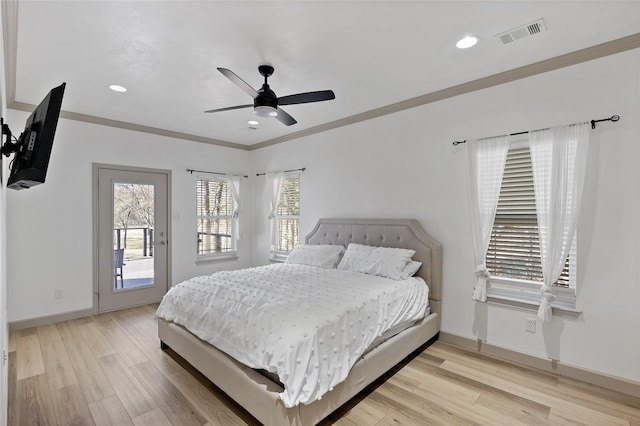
(522, 31)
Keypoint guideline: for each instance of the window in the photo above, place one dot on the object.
(287, 216)
(216, 230)
(513, 257)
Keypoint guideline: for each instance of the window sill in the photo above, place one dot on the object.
(217, 258)
(277, 257)
(527, 295)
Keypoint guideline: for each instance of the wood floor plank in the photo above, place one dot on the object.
(12, 341)
(27, 332)
(103, 317)
(70, 407)
(541, 379)
(134, 397)
(554, 401)
(405, 380)
(152, 418)
(390, 421)
(93, 382)
(12, 402)
(149, 345)
(144, 319)
(97, 342)
(205, 401)
(364, 413)
(504, 367)
(110, 412)
(452, 397)
(56, 360)
(605, 400)
(478, 393)
(451, 389)
(128, 323)
(127, 350)
(477, 412)
(135, 382)
(29, 356)
(33, 398)
(176, 408)
(448, 352)
(429, 358)
(406, 408)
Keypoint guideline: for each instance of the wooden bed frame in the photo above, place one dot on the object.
(259, 395)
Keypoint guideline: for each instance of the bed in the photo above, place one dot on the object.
(260, 395)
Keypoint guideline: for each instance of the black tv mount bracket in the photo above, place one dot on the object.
(8, 147)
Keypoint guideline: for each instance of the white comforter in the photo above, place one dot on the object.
(308, 325)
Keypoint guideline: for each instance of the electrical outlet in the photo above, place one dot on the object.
(530, 325)
(58, 293)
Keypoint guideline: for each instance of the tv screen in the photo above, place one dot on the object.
(29, 167)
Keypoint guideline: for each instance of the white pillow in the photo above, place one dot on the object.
(382, 261)
(410, 269)
(324, 256)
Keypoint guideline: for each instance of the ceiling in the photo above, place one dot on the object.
(370, 53)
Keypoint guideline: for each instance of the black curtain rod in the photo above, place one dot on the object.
(286, 171)
(214, 173)
(593, 126)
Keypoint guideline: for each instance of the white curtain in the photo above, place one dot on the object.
(485, 167)
(274, 185)
(234, 186)
(558, 157)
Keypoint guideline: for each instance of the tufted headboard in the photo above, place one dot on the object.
(401, 233)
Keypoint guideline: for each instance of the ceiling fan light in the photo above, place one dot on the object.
(265, 111)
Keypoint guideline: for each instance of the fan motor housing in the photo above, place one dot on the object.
(266, 97)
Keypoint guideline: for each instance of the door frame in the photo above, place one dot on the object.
(94, 185)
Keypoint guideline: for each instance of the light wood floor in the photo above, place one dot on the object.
(109, 370)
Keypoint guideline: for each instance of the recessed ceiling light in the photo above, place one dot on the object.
(466, 42)
(253, 122)
(117, 88)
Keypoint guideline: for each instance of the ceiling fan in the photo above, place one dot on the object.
(265, 102)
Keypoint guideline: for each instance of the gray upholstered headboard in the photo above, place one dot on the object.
(402, 233)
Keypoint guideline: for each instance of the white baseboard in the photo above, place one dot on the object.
(618, 384)
(49, 319)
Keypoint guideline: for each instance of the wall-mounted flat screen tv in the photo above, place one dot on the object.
(29, 167)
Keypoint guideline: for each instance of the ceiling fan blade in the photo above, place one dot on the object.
(304, 98)
(239, 82)
(285, 118)
(230, 108)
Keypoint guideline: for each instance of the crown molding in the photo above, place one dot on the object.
(21, 106)
(558, 62)
(10, 37)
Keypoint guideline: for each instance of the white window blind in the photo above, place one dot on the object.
(287, 214)
(215, 205)
(514, 248)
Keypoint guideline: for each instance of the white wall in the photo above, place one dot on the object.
(49, 233)
(398, 166)
(404, 166)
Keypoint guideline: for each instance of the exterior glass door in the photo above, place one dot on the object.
(132, 237)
